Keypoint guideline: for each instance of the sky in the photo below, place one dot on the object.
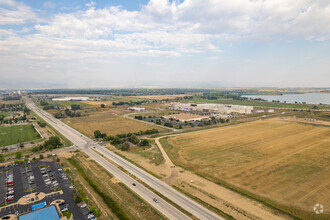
(163, 43)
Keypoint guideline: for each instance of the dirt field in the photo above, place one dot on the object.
(108, 122)
(160, 97)
(284, 161)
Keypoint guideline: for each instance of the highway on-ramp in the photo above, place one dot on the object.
(89, 147)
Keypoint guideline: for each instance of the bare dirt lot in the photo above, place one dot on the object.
(108, 122)
(282, 161)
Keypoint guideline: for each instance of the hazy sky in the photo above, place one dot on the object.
(161, 43)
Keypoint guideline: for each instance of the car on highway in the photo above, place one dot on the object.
(133, 184)
(155, 200)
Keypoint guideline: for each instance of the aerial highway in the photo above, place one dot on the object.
(95, 151)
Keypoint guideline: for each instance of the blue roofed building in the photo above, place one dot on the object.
(49, 213)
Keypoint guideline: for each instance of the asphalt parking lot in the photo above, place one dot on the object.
(24, 184)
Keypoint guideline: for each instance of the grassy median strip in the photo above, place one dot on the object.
(109, 201)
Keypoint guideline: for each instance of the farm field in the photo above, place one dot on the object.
(281, 161)
(108, 122)
(18, 133)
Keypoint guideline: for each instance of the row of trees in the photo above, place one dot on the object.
(123, 141)
(52, 143)
(12, 97)
(11, 107)
(130, 103)
(69, 113)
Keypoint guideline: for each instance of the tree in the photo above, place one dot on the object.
(41, 156)
(78, 199)
(133, 139)
(26, 110)
(42, 124)
(21, 145)
(68, 112)
(18, 155)
(138, 117)
(52, 143)
(97, 134)
(75, 107)
(124, 146)
(102, 106)
(43, 103)
(144, 142)
(2, 159)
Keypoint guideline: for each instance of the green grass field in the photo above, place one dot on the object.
(16, 134)
(6, 114)
(256, 103)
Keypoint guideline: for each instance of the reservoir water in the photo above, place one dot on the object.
(309, 98)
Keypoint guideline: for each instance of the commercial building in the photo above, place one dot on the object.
(209, 109)
(48, 213)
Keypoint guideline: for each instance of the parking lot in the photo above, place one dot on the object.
(23, 179)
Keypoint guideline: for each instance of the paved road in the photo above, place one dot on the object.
(86, 145)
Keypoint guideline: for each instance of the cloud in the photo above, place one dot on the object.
(162, 28)
(12, 12)
(48, 5)
(90, 4)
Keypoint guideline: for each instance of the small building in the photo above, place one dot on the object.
(271, 110)
(135, 109)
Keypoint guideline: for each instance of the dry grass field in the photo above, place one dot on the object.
(283, 161)
(109, 122)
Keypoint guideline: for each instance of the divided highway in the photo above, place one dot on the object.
(85, 144)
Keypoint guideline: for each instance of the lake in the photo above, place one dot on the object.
(309, 98)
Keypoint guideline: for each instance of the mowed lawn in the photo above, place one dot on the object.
(16, 134)
(286, 162)
(108, 122)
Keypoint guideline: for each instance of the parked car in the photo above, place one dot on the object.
(9, 199)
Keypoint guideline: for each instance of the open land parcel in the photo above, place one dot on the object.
(282, 161)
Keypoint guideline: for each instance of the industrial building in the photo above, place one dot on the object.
(71, 99)
(209, 109)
